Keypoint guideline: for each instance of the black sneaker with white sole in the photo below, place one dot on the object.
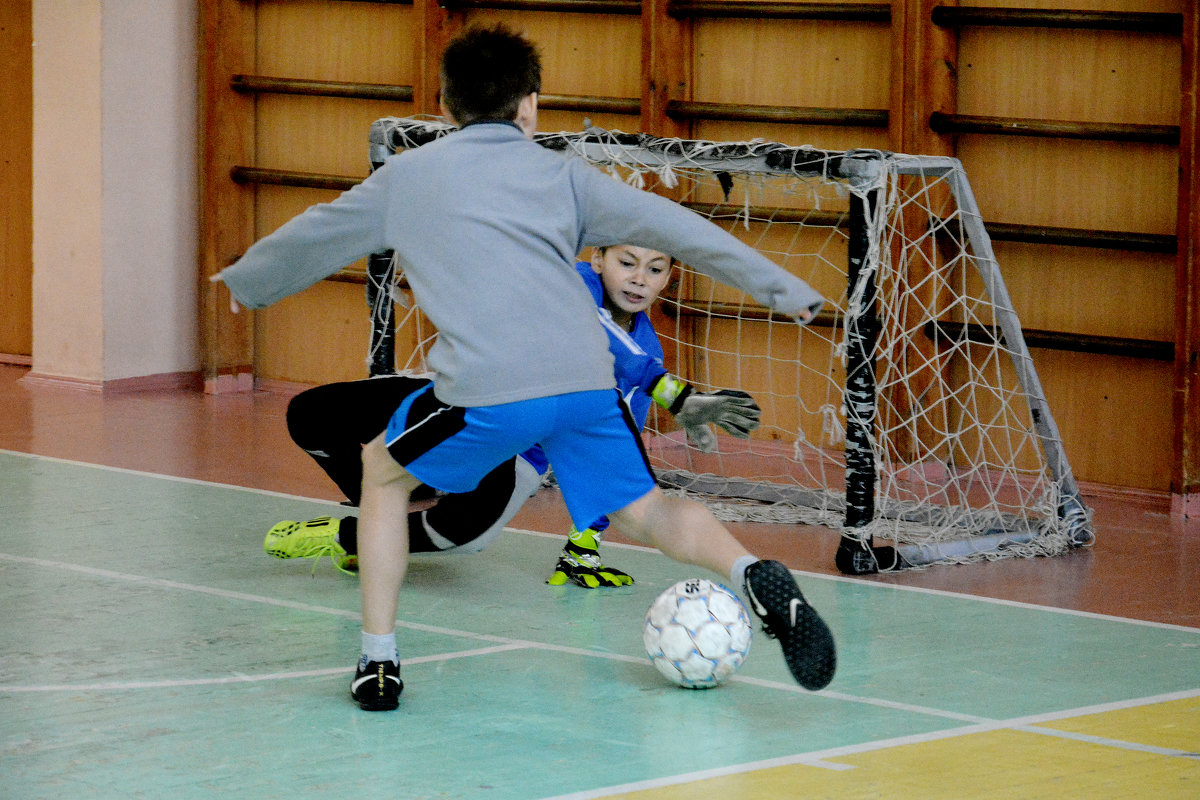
(806, 640)
(377, 686)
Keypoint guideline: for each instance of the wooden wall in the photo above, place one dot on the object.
(1073, 120)
(16, 176)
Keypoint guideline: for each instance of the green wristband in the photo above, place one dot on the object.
(670, 391)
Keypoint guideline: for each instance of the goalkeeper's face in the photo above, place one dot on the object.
(633, 278)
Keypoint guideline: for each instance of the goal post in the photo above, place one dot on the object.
(908, 412)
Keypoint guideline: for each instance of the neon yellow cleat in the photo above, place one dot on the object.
(316, 539)
(579, 563)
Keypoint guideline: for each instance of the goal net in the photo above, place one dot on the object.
(908, 413)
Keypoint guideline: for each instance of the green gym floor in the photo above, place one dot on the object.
(148, 647)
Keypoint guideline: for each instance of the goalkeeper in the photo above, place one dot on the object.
(331, 423)
(625, 281)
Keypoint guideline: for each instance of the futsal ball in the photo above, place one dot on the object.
(697, 633)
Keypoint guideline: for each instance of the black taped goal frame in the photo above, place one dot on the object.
(916, 415)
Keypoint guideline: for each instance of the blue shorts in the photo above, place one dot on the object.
(589, 438)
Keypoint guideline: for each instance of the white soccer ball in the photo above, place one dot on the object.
(697, 633)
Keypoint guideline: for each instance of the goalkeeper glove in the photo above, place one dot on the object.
(580, 563)
(733, 410)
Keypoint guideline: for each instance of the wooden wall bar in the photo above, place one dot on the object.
(1185, 472)
(16, 176)
(1075, 126)
(1125, 21)
(361, 91)
(842, 12)
(1054, 129)
(227, 125)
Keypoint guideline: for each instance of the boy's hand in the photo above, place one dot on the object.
(732, 410)
(233, 303)
(702, 436)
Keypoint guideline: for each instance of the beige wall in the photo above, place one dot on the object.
(114, 188)
(68, 325)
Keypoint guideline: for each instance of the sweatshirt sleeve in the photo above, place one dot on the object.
(312, 245)
(616, 212)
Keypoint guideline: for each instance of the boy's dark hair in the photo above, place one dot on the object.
(486, 71)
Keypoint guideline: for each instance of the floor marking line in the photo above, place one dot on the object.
(816, 758)
(898, 706)
(1120, 744)
(272, 601)
(173, 478)
(590, 653)
(187, 587)
(241, 677)
(817, 575)
(127, 685)
(417, 626)
(920, 590)
(1002, 602)
(820, 758)
(700, 775)
(1102, 708)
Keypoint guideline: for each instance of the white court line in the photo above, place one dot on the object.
(817, 575)
(504, 643)
(996, 601)
(502, 640)
(508, 643)
(922, 590)
(242, 678)
(819, 758)
(174, 478)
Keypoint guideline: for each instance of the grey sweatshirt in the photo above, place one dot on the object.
(487, 225)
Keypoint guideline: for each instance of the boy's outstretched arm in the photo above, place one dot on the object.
(618, 212)
(311, 246)
(731, 409)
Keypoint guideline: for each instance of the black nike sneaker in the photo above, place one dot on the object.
(806, 640)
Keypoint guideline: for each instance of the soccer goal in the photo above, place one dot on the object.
(908, 413)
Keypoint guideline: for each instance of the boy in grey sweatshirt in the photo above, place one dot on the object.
(487, 225)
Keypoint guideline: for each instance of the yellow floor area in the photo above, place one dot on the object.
(1002, 764)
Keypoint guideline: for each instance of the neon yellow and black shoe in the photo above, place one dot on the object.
(580, 564)
(316, 539)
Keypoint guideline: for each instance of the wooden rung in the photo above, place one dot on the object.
(631, 7)
(841, 12)
(851, 117)
(1126, 21)
(364, 91)
(1060, 129)
(284, 177)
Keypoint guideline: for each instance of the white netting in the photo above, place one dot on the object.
(958, 466)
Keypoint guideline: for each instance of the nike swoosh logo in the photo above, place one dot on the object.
(793, 607)
(365, 678)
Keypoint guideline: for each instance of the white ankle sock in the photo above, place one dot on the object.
(379, 647)
(737, 573)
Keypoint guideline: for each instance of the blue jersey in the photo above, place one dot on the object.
(637, 354)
